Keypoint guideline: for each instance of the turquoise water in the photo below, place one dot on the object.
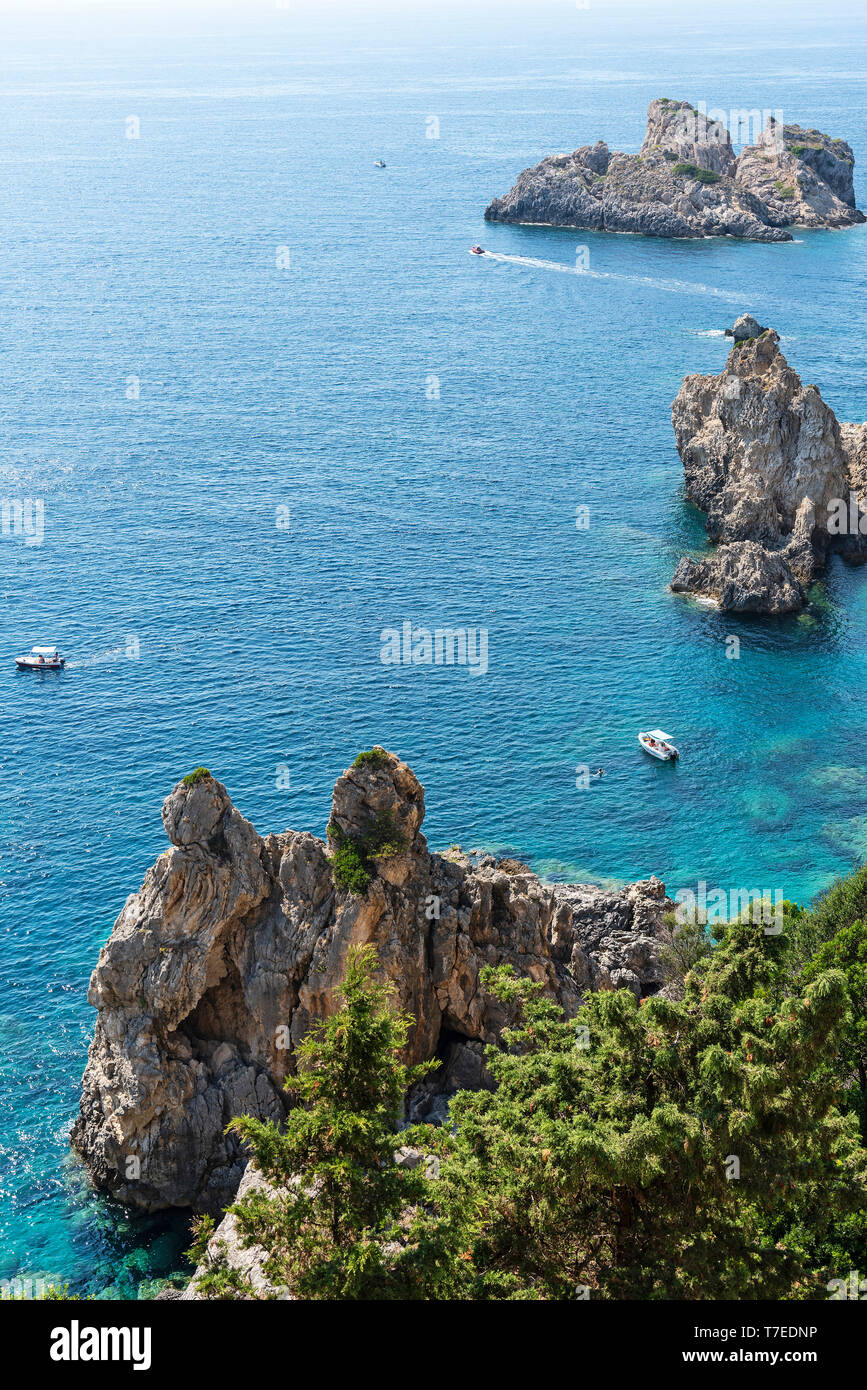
(309, 387)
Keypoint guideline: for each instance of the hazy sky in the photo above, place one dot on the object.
(798, 23)
(731, 10)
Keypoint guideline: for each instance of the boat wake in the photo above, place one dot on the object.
(651, 281)
(98, 659)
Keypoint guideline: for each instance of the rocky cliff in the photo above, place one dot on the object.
(235, 943)
(766, 459)
(686, 181)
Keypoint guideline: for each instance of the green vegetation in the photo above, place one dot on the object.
(352, 861)
(331, 1235)
(707, 1143)
(348, 866)
(693, 171)
(784, 190)
(202, 1228)
(374, 757)
(221, 1281)
(51, 1293)
(683, 946)
(198, 775)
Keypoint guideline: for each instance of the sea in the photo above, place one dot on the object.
(260, 405)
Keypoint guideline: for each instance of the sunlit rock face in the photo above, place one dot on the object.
(766, 459)
(235, 943)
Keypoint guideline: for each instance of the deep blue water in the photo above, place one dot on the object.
(309, 387)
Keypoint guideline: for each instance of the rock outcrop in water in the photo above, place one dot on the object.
(766, 459)
(216, 968)
(686, 181)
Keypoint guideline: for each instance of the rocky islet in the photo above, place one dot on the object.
(777, 476)
(687, 181)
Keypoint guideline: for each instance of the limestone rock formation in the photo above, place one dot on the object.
(766, 459)
(803, 177)
(686, 182)
(235, 943)
(854, 439)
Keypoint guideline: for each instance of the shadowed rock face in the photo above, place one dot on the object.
(792, 177)
(235, 943)
(767, 460)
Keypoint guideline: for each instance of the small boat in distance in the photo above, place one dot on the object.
(41, 659)
(477, 251)
(658, 745)
(379, 164)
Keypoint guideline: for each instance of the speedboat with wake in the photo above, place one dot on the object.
(477, 251)
(659, 745)
(41, 659)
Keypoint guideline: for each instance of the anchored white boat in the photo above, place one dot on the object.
(659, 745)
(41, 659)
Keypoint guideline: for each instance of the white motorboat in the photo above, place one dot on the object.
(41, 659)
(659, 745)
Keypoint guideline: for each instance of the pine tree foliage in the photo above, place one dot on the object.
(699, 1147)
(656, 1162)
(338, 1194)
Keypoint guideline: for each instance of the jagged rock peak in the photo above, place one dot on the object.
(199, 813)
(379, 785)
(677, 128)
(765, 457)
(745, 327)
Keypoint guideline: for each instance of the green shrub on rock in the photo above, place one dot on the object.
(198, 775)
(694, 171)
(374, 757)
(353, 859)
(699, 1147)
(337, 1233)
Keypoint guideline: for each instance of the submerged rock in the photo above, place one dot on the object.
(235, 943)
(686, 182)
(766, 459)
